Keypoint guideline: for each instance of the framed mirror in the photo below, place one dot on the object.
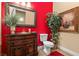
(28, 17)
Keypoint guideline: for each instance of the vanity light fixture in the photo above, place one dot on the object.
(28, 5)
(23, 3)
(18, 2)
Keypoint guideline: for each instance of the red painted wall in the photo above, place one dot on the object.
(42, 8)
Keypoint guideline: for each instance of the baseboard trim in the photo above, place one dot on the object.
(68, 51)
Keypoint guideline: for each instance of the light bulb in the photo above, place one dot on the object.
(23, 3)
(21, 19)
(28, 5)
(17, 2)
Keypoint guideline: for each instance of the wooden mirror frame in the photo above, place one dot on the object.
(24, 10)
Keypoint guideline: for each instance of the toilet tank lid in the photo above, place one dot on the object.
(48, 42)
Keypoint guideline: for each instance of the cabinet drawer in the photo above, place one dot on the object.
(15, 42)
(19, 42)
(22, 42)
(21, 37)
(24, 37)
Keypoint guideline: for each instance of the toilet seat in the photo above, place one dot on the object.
(48, 43)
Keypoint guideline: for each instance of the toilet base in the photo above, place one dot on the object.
(47, 50)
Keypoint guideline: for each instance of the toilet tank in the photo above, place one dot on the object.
(43, 37)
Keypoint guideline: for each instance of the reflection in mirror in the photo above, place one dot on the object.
(22, 17)
(27, 18)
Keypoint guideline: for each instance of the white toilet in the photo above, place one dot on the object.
(47, 44)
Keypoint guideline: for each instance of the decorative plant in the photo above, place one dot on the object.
(11, 20)
(54, 22)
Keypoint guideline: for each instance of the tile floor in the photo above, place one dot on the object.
(42, 53)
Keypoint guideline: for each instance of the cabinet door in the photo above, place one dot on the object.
(17, 51)
(35, 47)
(30, 49)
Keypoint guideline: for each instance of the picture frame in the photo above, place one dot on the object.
(69, 20)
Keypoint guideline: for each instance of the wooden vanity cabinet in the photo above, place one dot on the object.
(22, 44)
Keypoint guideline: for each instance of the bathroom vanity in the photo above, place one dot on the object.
(22, 44)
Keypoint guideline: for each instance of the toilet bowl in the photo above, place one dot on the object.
(47, 45)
